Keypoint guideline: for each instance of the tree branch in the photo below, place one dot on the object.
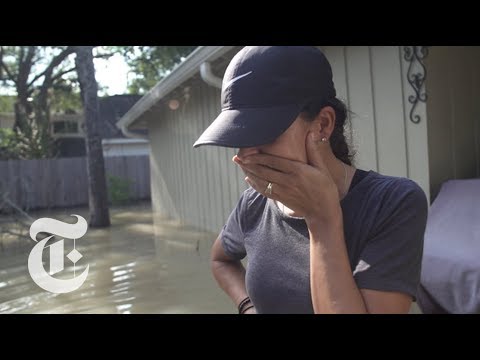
(61, 73)
(5, 67)
(57, 60)
(9, 202)
(1, 62)
(105, 56)
(25, 65)
(35, 79)
(7, 71)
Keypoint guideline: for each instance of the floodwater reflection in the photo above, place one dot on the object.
(141, 264)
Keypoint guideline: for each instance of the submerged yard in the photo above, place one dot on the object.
(141, 264)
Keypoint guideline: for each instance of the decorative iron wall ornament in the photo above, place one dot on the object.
(416, 76)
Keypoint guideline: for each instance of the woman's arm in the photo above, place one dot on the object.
(331, 282)
(332, 285)
(229, 274)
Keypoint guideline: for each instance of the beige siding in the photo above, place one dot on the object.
(388, 112)
(453, 84)
(339, 69)
(362, 103)
(373, 81)
(197, 186)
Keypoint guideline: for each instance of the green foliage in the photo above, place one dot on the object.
(36, 74)
(29, 143)
(8, 144)
(31, 66)
(118, 189)
(45, 82)
(7, 103)
(45, 68)
(65, 98)
(150, 64)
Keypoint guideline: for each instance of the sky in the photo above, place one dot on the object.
(112, 74)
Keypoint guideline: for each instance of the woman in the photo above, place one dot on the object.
(320, 236)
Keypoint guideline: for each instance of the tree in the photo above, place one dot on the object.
(33, 71)
(150, 64)
(97, 186)
(44, 79)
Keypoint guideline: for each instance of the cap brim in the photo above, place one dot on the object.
(248, 127)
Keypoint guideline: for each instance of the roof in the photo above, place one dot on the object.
(182, 72)
(111, 109)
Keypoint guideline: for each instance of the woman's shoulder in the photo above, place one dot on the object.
(394, 183)
(251, 206)
(395, 189)
(253, 198)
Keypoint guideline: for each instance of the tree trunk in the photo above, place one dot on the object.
(23, 110)
(97, 187)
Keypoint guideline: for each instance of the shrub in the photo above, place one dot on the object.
(119, 190)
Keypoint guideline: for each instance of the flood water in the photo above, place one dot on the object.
(141, 264)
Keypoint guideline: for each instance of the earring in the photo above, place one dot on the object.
(324, 139)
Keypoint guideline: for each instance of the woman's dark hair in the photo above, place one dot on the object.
(338, 142)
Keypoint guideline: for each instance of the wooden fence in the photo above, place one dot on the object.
(48, 183)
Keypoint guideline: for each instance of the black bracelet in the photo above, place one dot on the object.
(242, 304)
(248, 307)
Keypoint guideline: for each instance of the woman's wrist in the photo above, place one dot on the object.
(250, 310)
(247, 309)
(331, 218)
(245, 305)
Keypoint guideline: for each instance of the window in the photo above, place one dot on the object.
(65, 127)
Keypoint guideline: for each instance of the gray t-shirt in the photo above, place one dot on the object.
(384, 223)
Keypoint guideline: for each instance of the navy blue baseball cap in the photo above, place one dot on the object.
(264, 89)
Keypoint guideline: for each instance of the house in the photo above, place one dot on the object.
(416, 115)
(68, 130)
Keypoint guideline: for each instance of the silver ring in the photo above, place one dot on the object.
(269, 189)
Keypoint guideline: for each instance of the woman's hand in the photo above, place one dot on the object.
(307, 189)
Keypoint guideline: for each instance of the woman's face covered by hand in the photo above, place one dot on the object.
(290, 145)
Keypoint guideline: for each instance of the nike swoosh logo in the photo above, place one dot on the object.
(361, 266)
(235, 79)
